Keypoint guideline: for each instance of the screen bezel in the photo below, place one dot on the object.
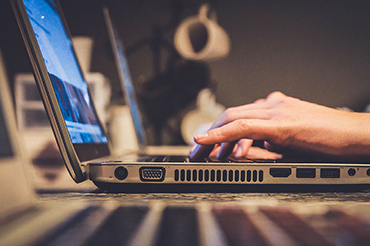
(73, 154)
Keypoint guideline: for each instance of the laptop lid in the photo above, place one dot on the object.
(125, 79)
(15, 191)
(65, 93)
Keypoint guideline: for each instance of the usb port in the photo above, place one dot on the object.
(306, 173)
(152, 173)
(330, 173)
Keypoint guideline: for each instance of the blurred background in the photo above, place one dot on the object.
(314, 50)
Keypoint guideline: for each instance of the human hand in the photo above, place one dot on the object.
(252, 152)
(287, 123)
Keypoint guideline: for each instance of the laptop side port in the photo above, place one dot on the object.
(306, 172)
(121, 173)
(150, 174)
(330, 173)
(278, 172)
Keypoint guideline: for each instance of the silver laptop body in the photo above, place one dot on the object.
(85, 147)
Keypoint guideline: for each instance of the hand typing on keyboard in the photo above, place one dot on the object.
(252, 153)
(287, 123)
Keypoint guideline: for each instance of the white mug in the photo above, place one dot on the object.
(120, 125)
(201, 38)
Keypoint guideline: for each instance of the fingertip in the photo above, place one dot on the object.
(243, 147)
(200, 152)
(200, 137)
(226, 150)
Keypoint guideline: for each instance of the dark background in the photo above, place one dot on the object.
(314, 50)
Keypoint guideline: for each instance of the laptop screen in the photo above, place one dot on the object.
(126, 81)
(65, 74)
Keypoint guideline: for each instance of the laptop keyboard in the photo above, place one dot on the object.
(212, 159)
(214, 224)
(163, 158)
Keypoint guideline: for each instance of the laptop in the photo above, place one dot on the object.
(84, 145)
(127, 86)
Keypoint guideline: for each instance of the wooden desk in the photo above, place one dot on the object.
(219, 219)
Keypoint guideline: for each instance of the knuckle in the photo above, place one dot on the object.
(243, 125)
(275, 94)
(282, 101)
(218, 134)
(228, 115)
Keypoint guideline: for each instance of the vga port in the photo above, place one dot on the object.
(155, 174)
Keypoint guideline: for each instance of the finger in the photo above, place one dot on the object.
(239, 129)
(201, 152)
(234, 114)
(258, 153)
(215, 150)
(260, 109)
(226, 149)
(243, 147)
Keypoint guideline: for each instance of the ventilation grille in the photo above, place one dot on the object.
(206, 175)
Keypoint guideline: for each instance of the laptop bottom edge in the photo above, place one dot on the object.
(222, 188)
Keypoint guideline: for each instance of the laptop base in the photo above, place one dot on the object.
(234, 188)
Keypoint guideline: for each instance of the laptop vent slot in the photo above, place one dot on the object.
(220, 176)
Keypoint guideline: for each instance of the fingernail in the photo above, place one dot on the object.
(200, 136)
